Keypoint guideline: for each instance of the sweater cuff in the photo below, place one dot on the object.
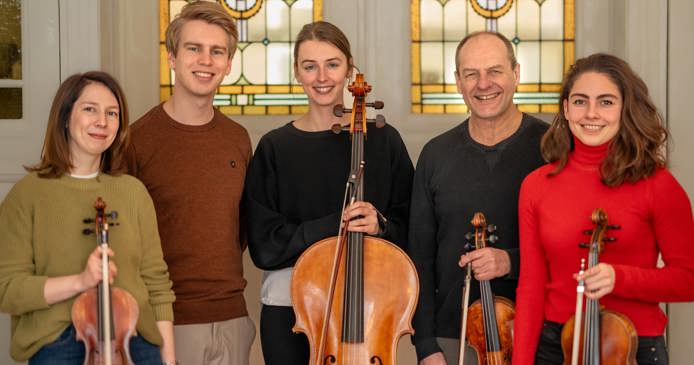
(621, 288)
(426, 347)
(32, 298)
(163, 312)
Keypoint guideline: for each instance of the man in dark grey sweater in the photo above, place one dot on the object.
(478, 166)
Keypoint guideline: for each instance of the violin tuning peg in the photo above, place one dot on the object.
(613, 226)
(336, 128)
(113, 215)
(610, 239)
(493, 238)
(88, 220)
(376, 104)
(588, 232)
(87, 231)
(468, 247)
(583, 245)
(468, 236)
(491, 228)
(338, 110)
(380, 121)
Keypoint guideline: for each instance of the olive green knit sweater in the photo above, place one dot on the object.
(41, 223)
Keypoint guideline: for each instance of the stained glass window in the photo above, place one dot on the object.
(10, 59)
(542, 33)
(261, 80)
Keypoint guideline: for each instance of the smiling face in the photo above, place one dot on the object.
(486, 78)
(202, 59)
(322, 69)
(594, 108)
(93, 124)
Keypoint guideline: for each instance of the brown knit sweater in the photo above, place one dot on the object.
(195, 175)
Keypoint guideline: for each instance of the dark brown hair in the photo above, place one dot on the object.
(209, 12)
(324, 32)
(55, 155)
(509, 47)
(636, 151)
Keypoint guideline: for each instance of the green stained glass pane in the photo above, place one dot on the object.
(301, 13)
(277, 61)
(431, 20)
(528, 55)
(528, 19)
(454, 20)
(10, 103)
(277, 20)
(254, 58)
(11, 40)
(449, 62)
(552, 20)
(552, 61)
(432, 63)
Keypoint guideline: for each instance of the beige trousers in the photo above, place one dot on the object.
(217, 343)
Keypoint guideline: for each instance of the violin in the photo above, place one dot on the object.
(490, 328)
(104, 317)
(603, 336)
(354, 296)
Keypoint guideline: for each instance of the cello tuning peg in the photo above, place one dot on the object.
(588, 232)
(613, 226)
(583, 245)
(376, 104)
(380, 121)
(338, 110)
(87, 231)
(491, 228)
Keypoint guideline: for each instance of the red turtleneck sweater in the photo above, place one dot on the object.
(655, 217)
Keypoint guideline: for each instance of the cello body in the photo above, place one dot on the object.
(390, 293)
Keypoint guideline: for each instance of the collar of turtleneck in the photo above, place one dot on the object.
(589, 156)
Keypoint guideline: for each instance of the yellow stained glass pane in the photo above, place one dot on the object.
(456, 108)
(431, 16)
(11, 41)
(432, 63)
(552, 62)
(433, 108)
(11, 103)
(552, 20)
(277, 20)
(454, 15)
(528, 55)
(528, 19)
(254, 63)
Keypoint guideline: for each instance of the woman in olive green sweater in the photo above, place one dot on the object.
(46, 261)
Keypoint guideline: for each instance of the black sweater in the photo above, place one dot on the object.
(455, 178)
(296, 183)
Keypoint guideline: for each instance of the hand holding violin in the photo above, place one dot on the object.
(599, 280)
(487, 263)
(91, 276)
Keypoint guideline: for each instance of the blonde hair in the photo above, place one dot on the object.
(207, 11)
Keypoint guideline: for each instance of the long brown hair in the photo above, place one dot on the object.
(55, 156)
(636, 151)
(325, 32)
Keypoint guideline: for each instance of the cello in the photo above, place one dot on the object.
(488, 322)
(104, 317)
(354, 296)
(605, 337)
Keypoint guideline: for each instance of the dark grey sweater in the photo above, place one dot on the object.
(455, 178)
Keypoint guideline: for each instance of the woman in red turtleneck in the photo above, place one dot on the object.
(605, 151)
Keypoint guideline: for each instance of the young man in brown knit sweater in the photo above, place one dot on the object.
(193, 161)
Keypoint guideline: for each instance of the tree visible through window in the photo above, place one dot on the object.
(262, 74)
(542, 32)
